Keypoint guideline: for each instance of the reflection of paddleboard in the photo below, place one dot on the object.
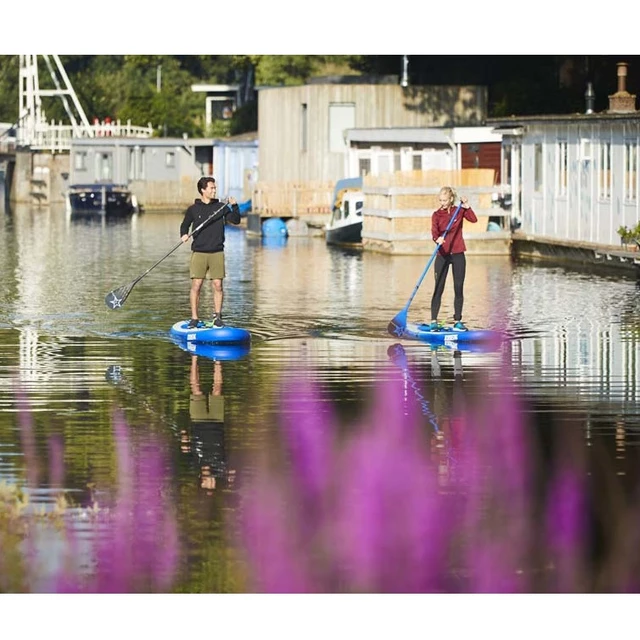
(450, 338)
(214, 351)
(211, 335)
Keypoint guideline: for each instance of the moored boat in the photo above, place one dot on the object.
(101, 199)
(345, 225)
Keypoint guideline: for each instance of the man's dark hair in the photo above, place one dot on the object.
(203, 182)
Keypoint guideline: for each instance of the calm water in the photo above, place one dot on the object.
(310, 308)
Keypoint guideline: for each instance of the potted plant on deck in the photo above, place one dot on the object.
(630, 237)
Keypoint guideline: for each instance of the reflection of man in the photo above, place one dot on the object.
(206, 440)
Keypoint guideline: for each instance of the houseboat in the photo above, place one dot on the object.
(574, 181)
(102, 200)
(345, 225)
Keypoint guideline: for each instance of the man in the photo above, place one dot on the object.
(207, 248)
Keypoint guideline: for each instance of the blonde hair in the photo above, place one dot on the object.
(450, 192)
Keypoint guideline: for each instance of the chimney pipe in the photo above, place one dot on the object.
(405, 72)
(622, 77)
(622, 101)
(590, 97)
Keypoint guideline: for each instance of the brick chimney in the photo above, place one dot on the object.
(622, 101)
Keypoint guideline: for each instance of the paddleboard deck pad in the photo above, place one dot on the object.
(447, 336)
(209, 335)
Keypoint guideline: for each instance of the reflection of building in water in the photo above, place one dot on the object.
(206, 438)
(41, 360)
(588, 348)
(348, 285)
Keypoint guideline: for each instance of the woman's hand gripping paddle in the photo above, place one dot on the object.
(399, 323)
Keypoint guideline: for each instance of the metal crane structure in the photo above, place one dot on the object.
(33, 129)
(35, 132)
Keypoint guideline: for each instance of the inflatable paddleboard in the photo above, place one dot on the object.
(448, 337)
(210, 335)
(214, 351)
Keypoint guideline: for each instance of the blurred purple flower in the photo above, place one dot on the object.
(134, 544)
(368, 512)
(137, 547)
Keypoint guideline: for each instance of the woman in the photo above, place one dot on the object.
(451, 248)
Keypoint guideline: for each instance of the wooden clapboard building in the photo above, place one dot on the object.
(302, 131)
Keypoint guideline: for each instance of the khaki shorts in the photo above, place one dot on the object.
(207, 408)
(210, 265)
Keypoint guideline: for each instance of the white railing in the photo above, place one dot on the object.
(57, 137)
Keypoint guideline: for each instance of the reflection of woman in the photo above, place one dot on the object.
(448, 407)
(206, 440)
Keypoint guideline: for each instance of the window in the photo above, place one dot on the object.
(505, 173)
(561, 169)
(342, 116)
(604, 175)
(385, 162)
(136, 163)
(142, 165)
(537, 167)
(631, 171)
(585, 149)
(416, 162)
(104, 164)
(304, 127)
(170, 159)
(364, 166)
(80, 161)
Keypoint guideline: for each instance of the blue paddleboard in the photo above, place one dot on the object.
(448, 337)
(214, 351)
(210, 335)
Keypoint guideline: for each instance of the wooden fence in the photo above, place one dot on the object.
(398, 207)
(310, 201)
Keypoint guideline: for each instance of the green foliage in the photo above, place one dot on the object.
(219, 129)
(156, 89)
(245, 118)
(629, 235)
(9, 88)
(292, 70)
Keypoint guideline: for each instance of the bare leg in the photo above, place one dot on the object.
(218, 295)
(194, 377)
(194, 295)
(217, 378)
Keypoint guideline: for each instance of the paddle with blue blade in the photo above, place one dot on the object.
(116, 298)
(399, 323)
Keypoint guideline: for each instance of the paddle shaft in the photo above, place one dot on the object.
(116, 298)
(433, 257)
(202, 224)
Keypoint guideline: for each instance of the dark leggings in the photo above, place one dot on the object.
(459, 263)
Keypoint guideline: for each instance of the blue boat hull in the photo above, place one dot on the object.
(447, 336)
(203, 335)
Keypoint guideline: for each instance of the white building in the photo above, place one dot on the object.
(380, 150)
(574, 177)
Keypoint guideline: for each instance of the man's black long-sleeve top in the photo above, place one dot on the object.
(210, 239)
